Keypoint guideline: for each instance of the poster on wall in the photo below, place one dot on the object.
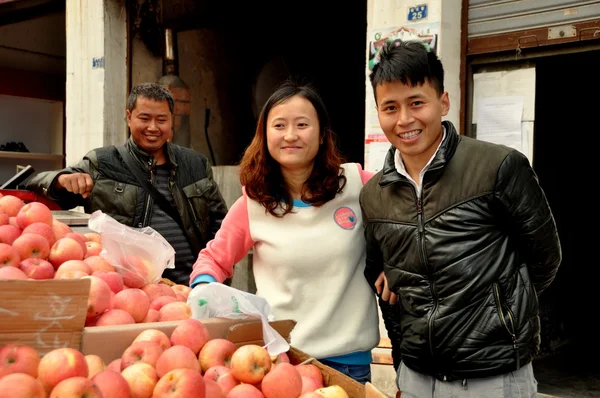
(376, 144)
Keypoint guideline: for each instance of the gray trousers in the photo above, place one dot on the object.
(518, 384)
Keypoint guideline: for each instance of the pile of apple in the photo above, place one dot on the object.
(35, 245)
(187, 364)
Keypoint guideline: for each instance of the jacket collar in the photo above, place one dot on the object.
(447, 148)
(148, 160)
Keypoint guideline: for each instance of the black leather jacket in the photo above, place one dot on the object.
(467, 258)
(117, 193)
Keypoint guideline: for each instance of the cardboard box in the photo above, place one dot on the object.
(51, 314)
(45, 314)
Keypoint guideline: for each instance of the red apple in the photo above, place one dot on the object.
(76, 387)
(310, 370)
(310, 384)
(175, 357)
(99, 297)
(65, 249)
(12, 273)
(141, 351)
(4, 217)
(60, 229)
(176, 311)
(222, 376)
(250, 363)
(98, 263)
(73, 265)
(190, 333)
(34, 212)
(61, 364)
(245, 391)
(134, 301)
(115, 317)
(112, 384)
(21, 385)
(155, 335)
(9, 233)
(93, 249)
(282, 381)
(9, 256)
(43, 229)
(216, 352)
(79, 238)
(113, 279)
(151, 316)
(180, 383)
(37, 268)
(31, 245)
(93, 237)
(15, 358)
(95, 365)
(142, 379)
(161, 301)
(212, 389)
(11, 205)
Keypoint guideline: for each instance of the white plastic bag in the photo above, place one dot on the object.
(216, 300)
(140, 255)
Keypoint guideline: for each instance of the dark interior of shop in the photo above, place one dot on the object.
(567, 88)
(310, 41)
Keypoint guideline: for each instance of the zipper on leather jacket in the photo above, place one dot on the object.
(148, 201)
(510, 329)
(421, 236)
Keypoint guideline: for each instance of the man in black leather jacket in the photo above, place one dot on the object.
(103, 181)
(459, 232)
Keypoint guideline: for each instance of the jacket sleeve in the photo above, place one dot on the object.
(217, 207)
(231, 243)
(44, 183)
(530, 217)
(391, 314)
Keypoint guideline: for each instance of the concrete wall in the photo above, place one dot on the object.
(96, 76)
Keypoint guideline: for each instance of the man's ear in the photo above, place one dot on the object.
(128, 117)
(445, 100)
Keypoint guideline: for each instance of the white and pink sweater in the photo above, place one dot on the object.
(308, 265)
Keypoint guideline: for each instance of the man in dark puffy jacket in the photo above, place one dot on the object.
(104, 181)
(460, 233)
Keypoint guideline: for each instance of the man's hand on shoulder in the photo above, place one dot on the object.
(77, 183)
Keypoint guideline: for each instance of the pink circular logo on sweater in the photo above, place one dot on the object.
(345, 217)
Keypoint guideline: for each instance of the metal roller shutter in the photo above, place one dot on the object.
(492, 17)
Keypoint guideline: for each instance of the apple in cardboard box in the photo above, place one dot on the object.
(142, 379)
(175, 357)
(190, 333)
(42, 229)
(112, 384)
(32, 213)
(31, 245)
(9, 233)
(282, 381)
(12, 273)
(95, 365)
(250, 363)
(134, 301)
(9, 256)
(18, 358)
(155, 335)
(216, 352)
(141, 351)
(180, 383)
(37, 268)
(245, 391)
(11, 205)
(21, 385)
(61, 364)
(333, 391)
(65, 249)
(76, 387)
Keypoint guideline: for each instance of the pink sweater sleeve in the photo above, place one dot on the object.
(364, 175)
(229, 246)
